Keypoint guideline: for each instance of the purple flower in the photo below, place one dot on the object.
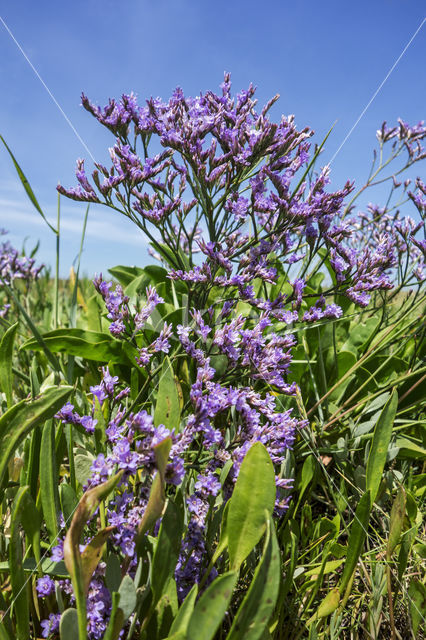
(45, 586)
(51, 625)
(89, 423)
(57, 552)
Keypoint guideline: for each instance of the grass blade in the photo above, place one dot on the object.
(379, 446)
(356, 539)
(6, 352)
(26, 185)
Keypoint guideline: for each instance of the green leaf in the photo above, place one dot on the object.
(409, 449)
(6, 352)
(4, 633)
(68, 625)
(18, 579)
(246, 520)
(417, 603)
(407, 541)
(113, 573)
(19, 421)
(116, 620)
(165, 611)
(91, 345)
(27, 186)
(33, 464)
(306, 476)
(180, 623)
(210, 609)
(167, 408)
(356, 539)
(223, 538)
(83, 465)
(327, 606)
(30, 565)
(125, 275)
(167, 550)
(379, 446)
(396, 522)
(361, 333)
(68, 500)
(259, 602)
(128, 597)
(49, 480)
(30, 518)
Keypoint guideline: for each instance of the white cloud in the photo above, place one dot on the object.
(16, 213)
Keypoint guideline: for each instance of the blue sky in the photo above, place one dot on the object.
(325, 59)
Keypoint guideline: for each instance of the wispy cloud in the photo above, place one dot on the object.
(13, 212)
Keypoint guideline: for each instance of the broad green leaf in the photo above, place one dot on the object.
(83, 465)
(91, 345)
(327, 606)
(19, 421)
(49, 480)
(30, 565)
(167, 408)
(152, 274)
(417, 604)
(210, 609)
(68, 625)
(128, 596)
(409, 449)
(246, 520)
(113, 573)
(165, 611)
(361, 333)
(180, 623)
(125, 275)
(68, 500)
(396, 522)
(167, 550)
(357, 536)
(259, 602)
(6, 352)
(379, 446)
(329, 567)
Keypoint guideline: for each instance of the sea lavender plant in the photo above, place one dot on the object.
(233, 210)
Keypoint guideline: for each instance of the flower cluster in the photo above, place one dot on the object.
(244, 226)
(225, 185)
(15, 266)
